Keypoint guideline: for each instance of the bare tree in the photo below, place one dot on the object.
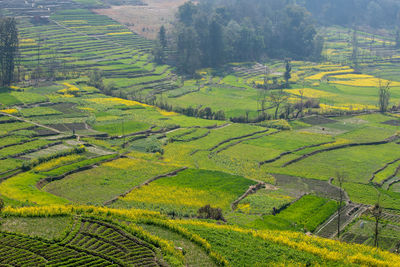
(277, 98)
(384, 95)
(377, 213)
(340, 180)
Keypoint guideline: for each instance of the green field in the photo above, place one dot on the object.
(115, 171)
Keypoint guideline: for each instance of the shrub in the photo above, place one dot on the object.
(208, 212)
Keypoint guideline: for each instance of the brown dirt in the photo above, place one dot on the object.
(145, 20)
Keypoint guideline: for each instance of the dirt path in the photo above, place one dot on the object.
(252, 190)
(35, 123)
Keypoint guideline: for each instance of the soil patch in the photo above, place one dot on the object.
(392, 122)
(297, 186)
(145, 20)
(317, 120)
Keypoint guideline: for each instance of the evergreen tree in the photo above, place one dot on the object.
(287, 74)
(162, 37)
(8, 50)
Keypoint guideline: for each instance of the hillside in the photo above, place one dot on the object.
(107, 158)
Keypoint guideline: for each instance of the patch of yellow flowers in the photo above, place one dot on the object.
(310, 93)
(321, 75)
(347, 107)
(69, 88)
(57, 162)
(9, 111)
(324, 248)
(116, 101)
(118, 33)
(179, 196)
(365, 82)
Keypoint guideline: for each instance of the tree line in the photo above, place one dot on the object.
(373, 13)
(211, 33)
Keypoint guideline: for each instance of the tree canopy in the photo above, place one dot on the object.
(211, 33)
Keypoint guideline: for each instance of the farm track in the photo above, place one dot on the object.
(291, 152)
(169, 174)
(252, 190)
(347, 214)
(386, 141)
(31, 122)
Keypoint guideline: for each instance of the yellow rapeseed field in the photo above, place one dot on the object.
(57, 162)
(179, 196)
(116, 101)
(321, 75)
(10, 110)
(310, 93)
(118, 33)
(325, 248)
(347, 107)
(353, 76)
(368, 82)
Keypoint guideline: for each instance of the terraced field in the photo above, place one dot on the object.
(124, 148)
(95, 243)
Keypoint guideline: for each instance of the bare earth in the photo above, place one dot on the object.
(145, 20)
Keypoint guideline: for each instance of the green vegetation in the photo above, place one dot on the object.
(186, 192)
(91, 120)
(307, 213)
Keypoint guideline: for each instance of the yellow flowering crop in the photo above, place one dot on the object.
(27, 40)
(353, 76)
(369, 82)
(71, 87)
(310, 93)
(347, 107)
(324, 248)
(129, 163)
(67, 95)
(118, 33)
(321, 75)
(57, 162)
(179, 196)
(87, 109)
(167, 113)
(10, 110)
(116, 101)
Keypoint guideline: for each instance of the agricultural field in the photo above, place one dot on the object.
(118, 172)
